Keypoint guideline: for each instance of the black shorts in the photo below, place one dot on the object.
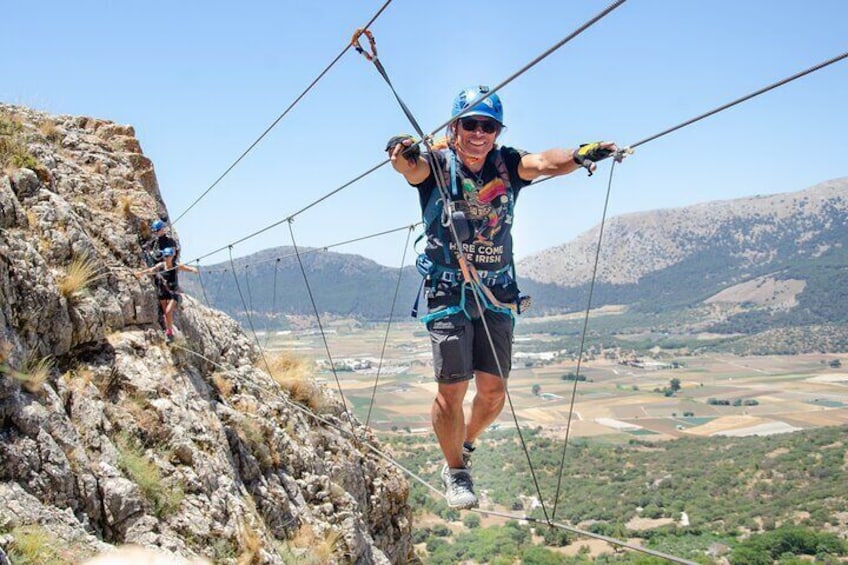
(461, 346)
(167, 294)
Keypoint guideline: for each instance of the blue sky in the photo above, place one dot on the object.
(200, 81)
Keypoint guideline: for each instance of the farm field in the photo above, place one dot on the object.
(773, 394)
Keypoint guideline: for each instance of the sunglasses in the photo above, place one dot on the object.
(470, 124)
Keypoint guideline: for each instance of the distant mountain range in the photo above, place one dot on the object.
(764, 262)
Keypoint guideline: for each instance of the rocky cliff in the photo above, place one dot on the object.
(110, 436)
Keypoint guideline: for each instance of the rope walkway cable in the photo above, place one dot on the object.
(273, 300)
(742, 99)
(515, 75)
(218, 291)
(728, 105)
(610, 540)
(321, 328)
(247, 286)
(583, 339)
(281, 116)
(388, 327)
(380, 453)
(288, 219)
(202, 286)
(337, 244)
(247, 315)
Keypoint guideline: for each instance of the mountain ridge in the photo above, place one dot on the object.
(676, 234)
(748, 264)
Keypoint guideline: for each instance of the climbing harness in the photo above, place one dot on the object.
(454, 270)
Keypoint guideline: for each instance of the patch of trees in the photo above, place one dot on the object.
(734, 402)
(573, 377)
(764, 549)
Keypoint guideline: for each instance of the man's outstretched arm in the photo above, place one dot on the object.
(558, 161)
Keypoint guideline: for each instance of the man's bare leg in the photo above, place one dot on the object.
(487, 405)
(449, 421)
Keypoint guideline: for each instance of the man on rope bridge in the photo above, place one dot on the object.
(468, 269)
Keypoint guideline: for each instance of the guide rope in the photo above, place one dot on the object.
(583, 338)
(388, 326)
(321, 328)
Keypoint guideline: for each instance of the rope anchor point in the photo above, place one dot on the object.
(354, 42)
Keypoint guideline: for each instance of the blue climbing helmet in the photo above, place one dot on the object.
(491, 107)
(157, 225)
(169, 252)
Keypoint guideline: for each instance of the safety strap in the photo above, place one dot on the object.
(449, 311)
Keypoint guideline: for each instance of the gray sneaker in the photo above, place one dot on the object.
(459, 489)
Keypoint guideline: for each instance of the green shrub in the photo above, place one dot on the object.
(131, 458)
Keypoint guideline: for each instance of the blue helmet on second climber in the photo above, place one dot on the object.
(491, 107)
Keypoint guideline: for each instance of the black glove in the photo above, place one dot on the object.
(412, 152)
(589, 153)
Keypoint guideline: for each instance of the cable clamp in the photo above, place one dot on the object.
(619, 155)
(354, 41)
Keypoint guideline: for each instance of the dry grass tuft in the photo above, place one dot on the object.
(259, 440)
(146, 418)
(81, 272)
(34, 374)
(223, 385)
(79, 379)
(320, 548)
(50, 130)
(125, 205)
(144, 229)
(251, 543)
(293, 374)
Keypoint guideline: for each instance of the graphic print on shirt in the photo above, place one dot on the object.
(487, 209)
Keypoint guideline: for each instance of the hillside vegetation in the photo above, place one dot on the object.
(680, 497)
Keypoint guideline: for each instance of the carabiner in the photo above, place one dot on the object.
(354, 41)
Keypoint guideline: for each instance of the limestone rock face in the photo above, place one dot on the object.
(108, 435)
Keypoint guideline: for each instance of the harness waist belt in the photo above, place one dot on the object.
(499, 277)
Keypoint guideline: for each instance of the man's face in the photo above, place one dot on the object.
(476, 135)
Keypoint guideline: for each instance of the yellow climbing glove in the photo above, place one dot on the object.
(590, 153)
